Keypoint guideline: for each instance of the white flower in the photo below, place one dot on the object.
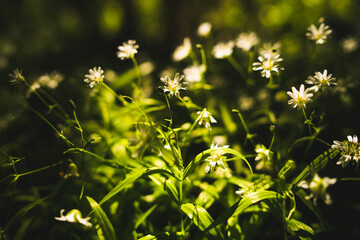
(264, 156)
(223, 49)
(267, 65)
(74, 216)
(318, 188)
(51, 80)
(95, 77)
(204, 29)
(17, 76)
(216, 158)
(127, 50)
(320, 80)
(299, 98)
(182, 51)
(269, 50)
(194, 73)
(205, 118)
(319, 35)
(349, 44)
(173, 87)
(246, 41)
(349, 150)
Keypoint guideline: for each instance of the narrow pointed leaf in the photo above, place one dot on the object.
(315, 166)
(132, 178)
(300, 228)
(244, 203)
(103, 220)
(201, 156)
(199, 216)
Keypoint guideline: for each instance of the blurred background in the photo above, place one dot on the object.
(69, 37)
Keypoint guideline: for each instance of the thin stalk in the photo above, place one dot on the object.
(52, 126)
(137, 69)
(237, 66)
(119, 97)
(248, 134)
(306, 120)
(168, 105)
(180, 200)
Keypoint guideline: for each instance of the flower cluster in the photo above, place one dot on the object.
(127, 50)
(74, 216)
(173, 87)
(204, 29)
(205, 118)
(96, 76)
(318, 188)
(349, 150)
(216, 158)
(194, 73)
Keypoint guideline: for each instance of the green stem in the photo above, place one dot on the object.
(180, 200)
(119, 97)
(248, 134)
(237, 66)
(168, 105)
(52, 126)
(306, 120)
(137, 69)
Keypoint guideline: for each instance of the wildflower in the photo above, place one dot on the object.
(264, 156)
(17, 76)
(33, 87)
(50, 80)
(182, 51)
(205, 118)
(319, 35)
(95, 77)
(194, 73)
(318, 188)
(269, 50)
(127, 50)
(320, 80)
(173, 87)
(204, 29)
(349, 44)
(349, 150)
(267, 65)
(216, 158)
(223, 49)
(246, 41)
(299, 98)
(74, 216)
(246, 102)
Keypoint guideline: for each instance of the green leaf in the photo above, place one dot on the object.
(148, 237)
(245, 202)
(199, 216)
(103, 220)
(132, 178)
(201, 156)
(315, 166)
(20, 214)
(144, 216)
(300, 228)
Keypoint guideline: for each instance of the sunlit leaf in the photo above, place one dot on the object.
(201, 156)
(244, 203)
(131, 179)
(315, 166)
(199, 216)
(300, 228)
(103, 220)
